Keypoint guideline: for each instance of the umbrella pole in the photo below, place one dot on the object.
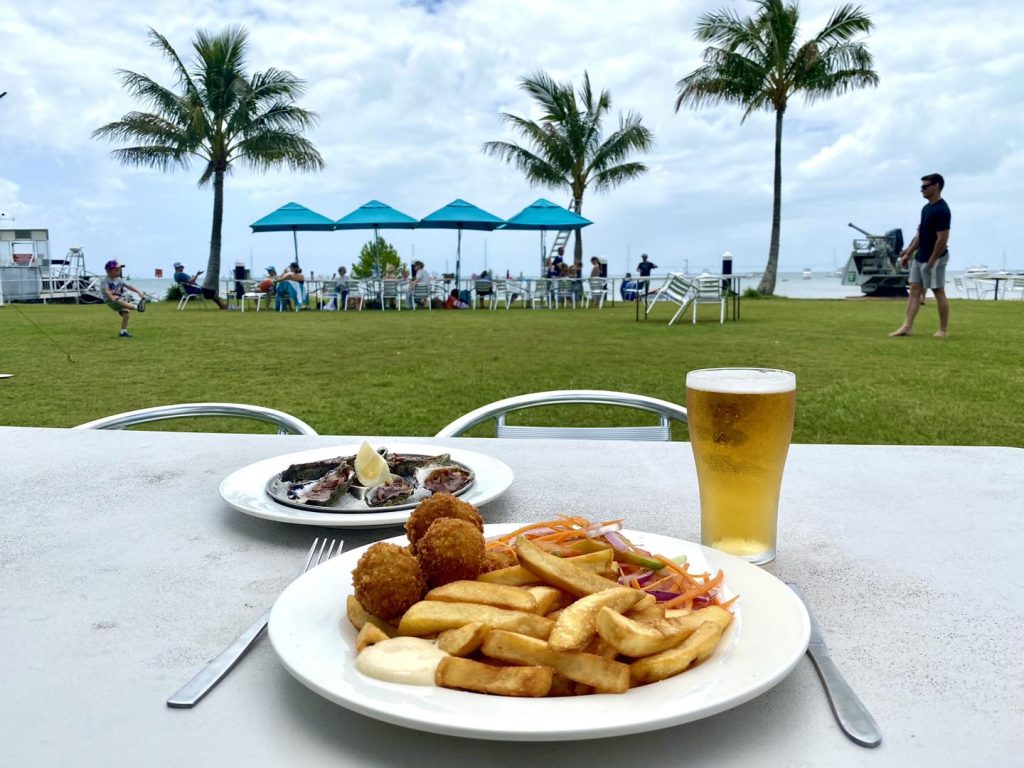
(543, 253)
(376, 252)
(295, 244)
(458, 260)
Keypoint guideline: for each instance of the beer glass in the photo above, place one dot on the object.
(740, 424)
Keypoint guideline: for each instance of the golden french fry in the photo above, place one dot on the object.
(428, 617)
(559, 572)
(358, 617)
(462, 641)
(636, 639)
(518, 576)
(368, 635)
(468, 675)
(576, 624)
(646, 614)
(675, 613)
(548, 598)
(693, 650)
(713, 613)
(498, 595)
(605, 675)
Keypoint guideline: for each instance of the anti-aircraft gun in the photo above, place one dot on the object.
(874, 264)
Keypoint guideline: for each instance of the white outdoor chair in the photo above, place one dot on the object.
(565, 291)
(286, 423)
(676, 289)
(540, 290)
(504, 290)
(389, 291)
(250, 293)
(665, 411)
(708, 290)
(483, 291)
(327, 293)
(595, 289)
(190, 292)
(424, 291)
(1014, 285)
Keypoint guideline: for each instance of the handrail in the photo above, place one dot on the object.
(562, 397)
(286, 423)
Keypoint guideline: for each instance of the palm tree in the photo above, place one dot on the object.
(758, 64)
(220, 115)
(565, 149)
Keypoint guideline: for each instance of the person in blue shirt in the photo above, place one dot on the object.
(628, 290)
(928, 270)
(188, 284)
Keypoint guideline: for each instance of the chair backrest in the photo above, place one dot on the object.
(597, 284)
(286, 423)
(422, 290)
(709, 289)
(191, 289)
(483, 287)
(497, 410)
(389, 289)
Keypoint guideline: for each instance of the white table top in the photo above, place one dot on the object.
(123, 572)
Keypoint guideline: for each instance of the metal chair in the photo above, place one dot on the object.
(189, 292)
(286, 423)
(423, 292)
(540, 291)
(676, 289)
(251, 293)
(497, 410)
(565, 291)
(709, 291)
(483, 292)
(595, 289)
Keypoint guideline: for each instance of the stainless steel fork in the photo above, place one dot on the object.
(193, 691)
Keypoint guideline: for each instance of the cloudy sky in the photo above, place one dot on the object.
(407, 92)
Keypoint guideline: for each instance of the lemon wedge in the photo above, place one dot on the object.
(371, 469)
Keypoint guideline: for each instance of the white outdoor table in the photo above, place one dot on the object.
(123, 572)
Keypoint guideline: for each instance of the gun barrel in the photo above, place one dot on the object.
(863, 232)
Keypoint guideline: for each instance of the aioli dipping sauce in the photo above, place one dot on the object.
(409, 660)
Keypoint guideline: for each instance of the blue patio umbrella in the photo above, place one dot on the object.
(460, 215)
(376, 215)
(545, 215)
(293, 218)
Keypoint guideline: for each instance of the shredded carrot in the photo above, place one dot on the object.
(557, 536)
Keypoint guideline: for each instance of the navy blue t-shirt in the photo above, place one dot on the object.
(934, 219)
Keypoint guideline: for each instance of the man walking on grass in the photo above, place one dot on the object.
(929, 267)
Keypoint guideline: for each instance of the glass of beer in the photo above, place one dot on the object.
(740, 423)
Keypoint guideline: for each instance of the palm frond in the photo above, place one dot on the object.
(845, 22)
(272, 148)
(616, 175)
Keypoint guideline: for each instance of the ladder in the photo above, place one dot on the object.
(562, 238)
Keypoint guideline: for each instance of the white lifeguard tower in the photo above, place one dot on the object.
(29, 273)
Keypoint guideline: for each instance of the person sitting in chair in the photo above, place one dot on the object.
(188, 285)
(290, 285)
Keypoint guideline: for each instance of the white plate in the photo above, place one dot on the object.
(246, 489)
(315, 642)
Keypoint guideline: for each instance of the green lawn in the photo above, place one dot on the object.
(410, 373)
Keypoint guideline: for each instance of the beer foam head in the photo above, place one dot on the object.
(741, 381)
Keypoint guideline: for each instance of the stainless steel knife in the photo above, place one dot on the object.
(851, 714)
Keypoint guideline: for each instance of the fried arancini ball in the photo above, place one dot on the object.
(388, 580)
(437, 506)
(450, 550)
(499, 556)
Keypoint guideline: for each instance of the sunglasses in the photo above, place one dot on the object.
(929, 184)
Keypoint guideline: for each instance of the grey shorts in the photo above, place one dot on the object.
(934, 278)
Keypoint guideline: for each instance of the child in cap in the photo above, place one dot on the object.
(113, 291)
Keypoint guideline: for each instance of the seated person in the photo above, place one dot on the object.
(266, 285)
(454, 302)
(290, 286)
(341, 288)
(629, 288)
(188, 285)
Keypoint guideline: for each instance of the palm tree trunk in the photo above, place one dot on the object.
(213, 265)
(767, 286)
(577, 253)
